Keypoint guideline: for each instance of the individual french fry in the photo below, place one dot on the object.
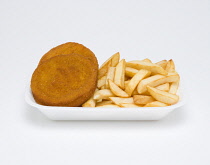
(119, 100)
(110, 76)
(170, 67)
(115, 59)
(162, 96)
(108, 105)
(130, 72)
(170, 78)
(124, 105)
(103, 94)
(117, 90)
(163, 87)
(156, 104)
(162, 63)
(101, 82)
(104, 102)
(174, 87)
(142, 99)
(141, 74)
(112, 61)
(142, 86)
(89, 103)
(156, 80)
(154, 68)
(119, 78)
(147, 60)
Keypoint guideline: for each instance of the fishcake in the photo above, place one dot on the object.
(64, 80)
(69, 48)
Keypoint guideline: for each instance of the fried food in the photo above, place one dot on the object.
(141, 74)
(137, 83)
(64, 80)
(156, 104)
(130, 72)
(90, 103)
(164, 87)
(162, 96)
(112, 61)
(68, 75)
(142, 99)
(124, 105)
(119, 77)
(154, 68)
(70, 48)
(117, 90)
(101, 82)
(103, 94)
(110, 76)
(120, 100)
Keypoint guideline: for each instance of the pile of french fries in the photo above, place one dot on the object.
(138, 83)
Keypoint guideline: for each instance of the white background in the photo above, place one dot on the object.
(137, 29)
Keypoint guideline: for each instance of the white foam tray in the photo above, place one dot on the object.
(85, 113)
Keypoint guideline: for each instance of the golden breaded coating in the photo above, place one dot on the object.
(69, 48)
(64, 80)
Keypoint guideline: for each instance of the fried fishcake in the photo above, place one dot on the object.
(64, 80)
(69, 48)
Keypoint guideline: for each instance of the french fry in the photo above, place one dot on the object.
(119, 100)
(142, 99)
(89, 103)
(104, 103)
(142, 86)
(108, 105)
(130, 105)
(117, 90)
(119, 78)
(130, 72)
(162, 63)
(144, 93)
(170, 78)
(147, 60)
(154, 68)
(103, 94)
(110, 76)
(163, 87)
(136, 83)
(156, 80)
(156, 104)
(141, 74)
(112, 61)
(174, 87)
(101, 82)
(135, 92)
(103, 87)
(170, 67)
(162, 96)
(126, 83)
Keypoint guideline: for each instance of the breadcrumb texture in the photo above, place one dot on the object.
(64, 80)
(69, 48)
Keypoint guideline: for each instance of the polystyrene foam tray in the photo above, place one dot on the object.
(86, 113)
